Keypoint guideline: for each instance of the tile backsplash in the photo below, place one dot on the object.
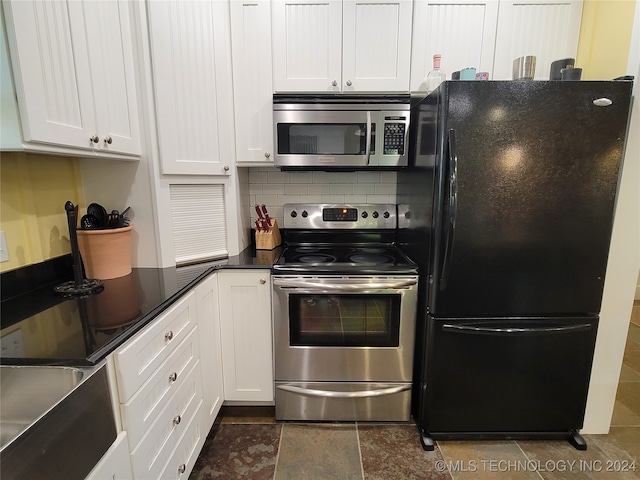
(274, 188)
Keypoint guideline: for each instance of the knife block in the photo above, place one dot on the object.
(269, 240)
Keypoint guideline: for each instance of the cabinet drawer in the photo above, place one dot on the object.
(139, 413)
(186, 453)
(149, 458)
(137, 360)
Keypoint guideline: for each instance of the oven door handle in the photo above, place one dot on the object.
(327, 287)
(312, 392)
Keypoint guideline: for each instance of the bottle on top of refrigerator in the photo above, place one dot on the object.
(436, 76)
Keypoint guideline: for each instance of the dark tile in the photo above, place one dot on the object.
(632, 359)
(319, 451)
(623, 416)
(621, 444)
(628, 374)
(558, 460)
(629, 395)
(480, 460)
(393, 452)
(238, 451)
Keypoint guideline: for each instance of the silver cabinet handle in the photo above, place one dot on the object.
(108, 140)
(267, 154)
(334, 84)
(182, 468)
(262, 281)
(168, 336)
(177, 419)
(312, 392)
(226, 168)
(349, 83)
(94, 138)
(173, 377)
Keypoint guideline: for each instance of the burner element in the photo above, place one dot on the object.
(317, 258)
(370, 258)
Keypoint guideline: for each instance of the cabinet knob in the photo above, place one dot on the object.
(94, 138)
(182, 468)
(168, 336)
(226, 168)
(262, 281)
(108, 140)
(177, 419)
(349, 83)
(334, 84)
(173, 377)
(267, 154)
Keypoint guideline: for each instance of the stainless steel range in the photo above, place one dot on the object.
(344, 315)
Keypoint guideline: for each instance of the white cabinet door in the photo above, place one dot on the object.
(114, 465)
(191, 58)
(307, 45)
(376, 48)
(74, 72)
(111, 56)
(252, 80)
(548, 29)
(245, 320)
(51, 67)
(462, 31)
(210, 348)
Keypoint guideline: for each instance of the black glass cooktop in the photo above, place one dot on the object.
(353, 259)
(45, 328)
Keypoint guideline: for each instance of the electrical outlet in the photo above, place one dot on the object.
(4, 253)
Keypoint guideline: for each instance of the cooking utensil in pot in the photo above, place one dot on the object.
(90, 222)
(99, 212)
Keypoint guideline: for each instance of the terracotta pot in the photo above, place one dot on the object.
(106, 253)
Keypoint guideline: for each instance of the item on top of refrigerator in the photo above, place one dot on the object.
(524, 68)
(571, 74)
(482, 76)
(558, 65)
(435, 76)
(468, 73)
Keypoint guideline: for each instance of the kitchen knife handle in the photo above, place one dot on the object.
(450, 222)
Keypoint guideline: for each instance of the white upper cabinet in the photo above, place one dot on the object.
(462, 31)
(74, 74)
(548, 29)
(341, 46)
(252, 81)
(191, 60)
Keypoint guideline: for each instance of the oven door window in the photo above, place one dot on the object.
(371, 320)
(324, 138)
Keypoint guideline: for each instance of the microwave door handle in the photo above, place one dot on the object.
(368, 138)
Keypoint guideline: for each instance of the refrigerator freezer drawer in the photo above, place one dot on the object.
(507, 375)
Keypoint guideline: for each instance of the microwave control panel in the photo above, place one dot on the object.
(394, 136)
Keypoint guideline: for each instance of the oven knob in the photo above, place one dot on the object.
(386, 215)
(304, 214)
(365, 214)
(375, 214)
(294, 214)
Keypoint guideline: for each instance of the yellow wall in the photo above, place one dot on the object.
(605, 34)
(33, 191)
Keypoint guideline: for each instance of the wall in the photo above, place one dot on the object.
(274, 188)
(33, 192)
(604, 38)
(624, 254)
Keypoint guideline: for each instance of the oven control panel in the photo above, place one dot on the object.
(328, 216)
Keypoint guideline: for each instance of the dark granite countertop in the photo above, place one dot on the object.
(41, 327)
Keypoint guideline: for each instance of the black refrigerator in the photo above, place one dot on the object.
(507, 206)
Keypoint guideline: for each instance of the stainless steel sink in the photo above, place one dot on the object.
(55, 422)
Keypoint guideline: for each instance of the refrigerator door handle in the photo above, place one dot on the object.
(368, 138)
(476, 329)
(450, 223)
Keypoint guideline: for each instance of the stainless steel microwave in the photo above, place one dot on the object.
(341, 132)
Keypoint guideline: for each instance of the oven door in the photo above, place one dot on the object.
(333, 329)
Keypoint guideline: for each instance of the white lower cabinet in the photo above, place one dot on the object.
(245, 326)
(114, 465)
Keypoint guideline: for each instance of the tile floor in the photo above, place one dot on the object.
(249, 443)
